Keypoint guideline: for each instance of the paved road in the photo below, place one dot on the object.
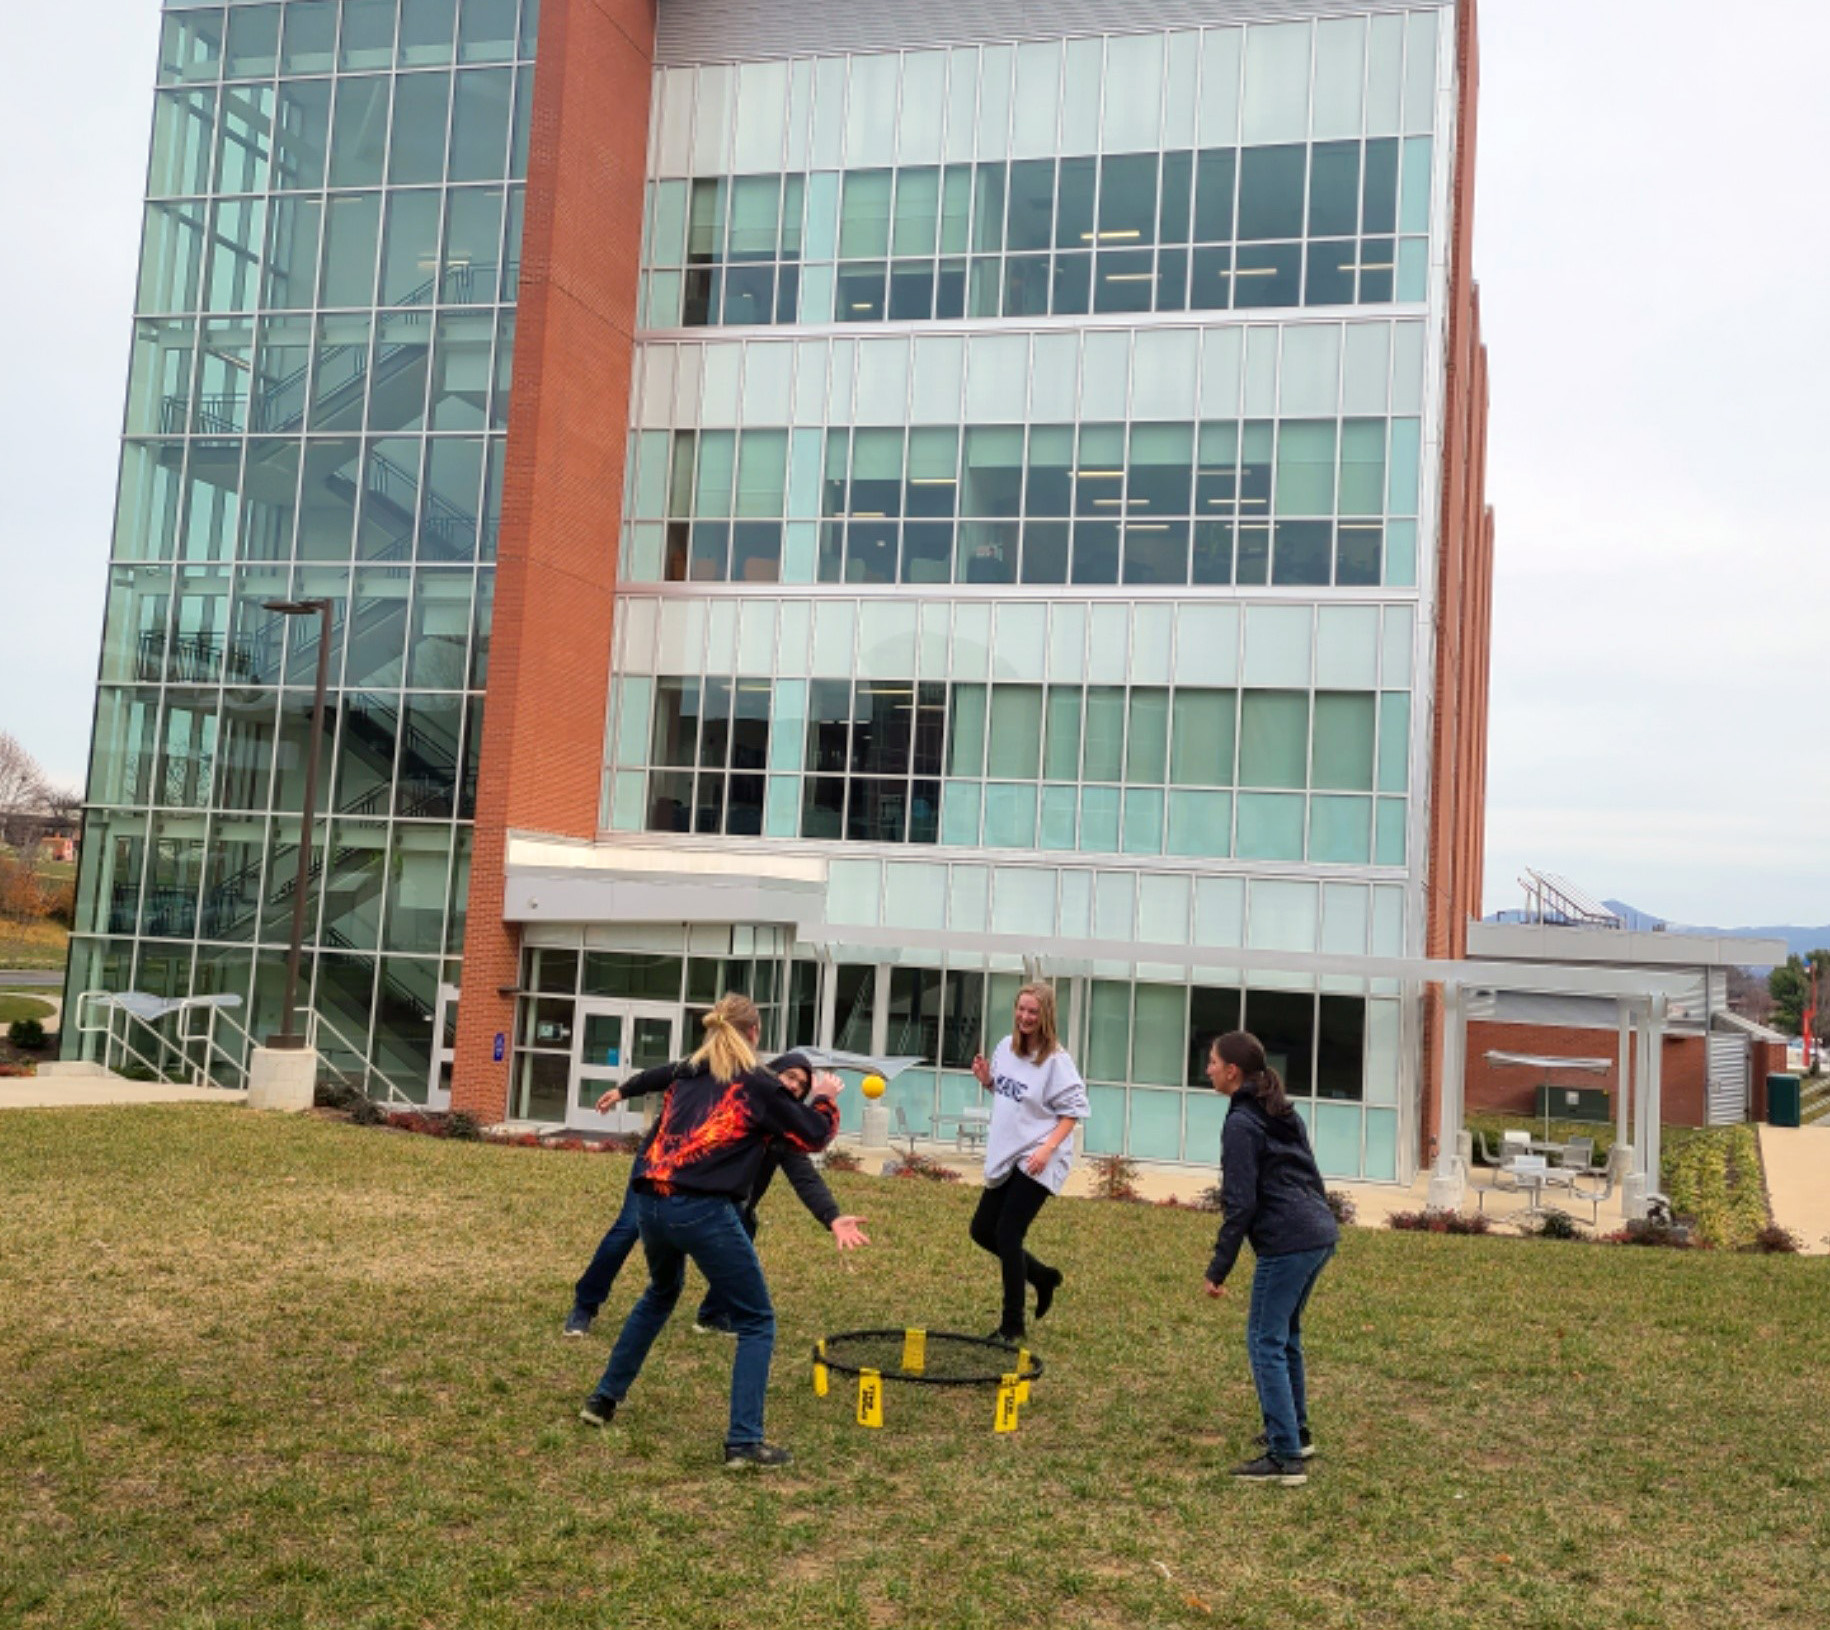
(20, 978)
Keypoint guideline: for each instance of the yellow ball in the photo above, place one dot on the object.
(873, 1086)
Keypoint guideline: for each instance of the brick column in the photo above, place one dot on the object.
(543, 718)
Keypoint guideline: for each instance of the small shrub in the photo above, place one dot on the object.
(463, 1126)
(926, 1167)
(27, 1035)
(1440, 1222)
(1340, 1202)
(1655, 1231)
(335, 1095)
(364, 1111)
(1773, 1240)
(1115, 1178)
(17, 1071)
(1554, 1225)
(837, 1159)
(134, 1070)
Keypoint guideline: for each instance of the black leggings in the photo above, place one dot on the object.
(998, 1226)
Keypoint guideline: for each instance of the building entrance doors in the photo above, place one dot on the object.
(611, 1042)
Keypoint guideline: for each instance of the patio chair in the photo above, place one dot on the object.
(1578, 1156)
(1591, 1196)
(1487, 1155)
(1520, 1174)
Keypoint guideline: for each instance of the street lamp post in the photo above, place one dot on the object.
(290, 1037)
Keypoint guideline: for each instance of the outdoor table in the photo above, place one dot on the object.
(969, 1127)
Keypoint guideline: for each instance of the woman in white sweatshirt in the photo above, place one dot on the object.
(1037, 1097)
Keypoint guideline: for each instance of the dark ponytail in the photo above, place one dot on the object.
(1245, 1052)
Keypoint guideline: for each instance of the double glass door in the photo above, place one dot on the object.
(611, 1042)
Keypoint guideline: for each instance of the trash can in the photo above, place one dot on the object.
(1782, 1100)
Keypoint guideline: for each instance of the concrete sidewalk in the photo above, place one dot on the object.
(89, 1086)
(1797, 1162)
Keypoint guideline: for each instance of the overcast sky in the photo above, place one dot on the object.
(1652, 246)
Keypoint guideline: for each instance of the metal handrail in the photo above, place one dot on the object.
(187, 1035)
(86, 1025)
(315, 1021)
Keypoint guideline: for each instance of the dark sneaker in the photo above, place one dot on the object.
(1269, 1469)
(1045, 1292)
(578, 1322)
(1263, 1441)
(712, 1327)
(1010, 1338)
(599, 1410)
(762, 1456)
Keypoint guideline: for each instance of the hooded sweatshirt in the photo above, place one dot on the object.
(713, 1136)
(1270, 1187)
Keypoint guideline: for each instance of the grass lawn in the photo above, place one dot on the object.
(41, 944)
(259, 1371)
(18, 1006)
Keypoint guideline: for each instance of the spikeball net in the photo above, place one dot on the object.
(927, 1358)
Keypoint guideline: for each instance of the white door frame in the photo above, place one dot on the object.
(590, 1079)
(438, 1093)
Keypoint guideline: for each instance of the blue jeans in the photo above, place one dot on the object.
(1274, 1342)
(593, 1290)
(709, 1229)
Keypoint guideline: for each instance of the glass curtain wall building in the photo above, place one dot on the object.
(316, 407)
(984, 498)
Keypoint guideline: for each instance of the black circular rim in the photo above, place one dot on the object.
(991, 1379)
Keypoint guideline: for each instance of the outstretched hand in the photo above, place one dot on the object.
(848, 1234)
(609, 1101)
(981, 1070)
(826, 1085)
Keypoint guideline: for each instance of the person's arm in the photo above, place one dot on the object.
(1238, 1197)
(811, 1190)
(659, 1079)
(808, 1127)
(981, 1068)
(1066, 1094)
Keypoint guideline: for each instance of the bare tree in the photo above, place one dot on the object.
(23, 789)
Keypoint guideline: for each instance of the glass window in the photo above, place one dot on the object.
(253, 45)
(417, 152)
(1146, 742)
(1105, 734)
(301, 135)
(864, 217)
(1109, 1032)
(993, 478)
(1216, 173)
(1016, 732)
(1031, 205)
(1271, 192)
(481, 100)
(916, 225)
(966, 736)
(1334, 189)
(1285, 1022)
(486, 30)
(1273, 738)
(1201, 738)
(1267, 274)
(1159, 1055)
(1379, 188)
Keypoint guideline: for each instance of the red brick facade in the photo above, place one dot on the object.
(543, 722)
(1464, 602)
(1684, 1071)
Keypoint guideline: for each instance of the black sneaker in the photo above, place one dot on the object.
(578, 1321)
(1303, 1438)
(1009, 1338)
(712, 1327)
(762, 1456)
(599, 1410)
(1045, 1292)
(1269, 1469)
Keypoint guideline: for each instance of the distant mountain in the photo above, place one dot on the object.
(1798, 940)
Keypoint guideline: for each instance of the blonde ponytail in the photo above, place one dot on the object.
(727, 1051)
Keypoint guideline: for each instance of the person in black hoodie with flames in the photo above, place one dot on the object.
(1270, 1193)
(692, 1179)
